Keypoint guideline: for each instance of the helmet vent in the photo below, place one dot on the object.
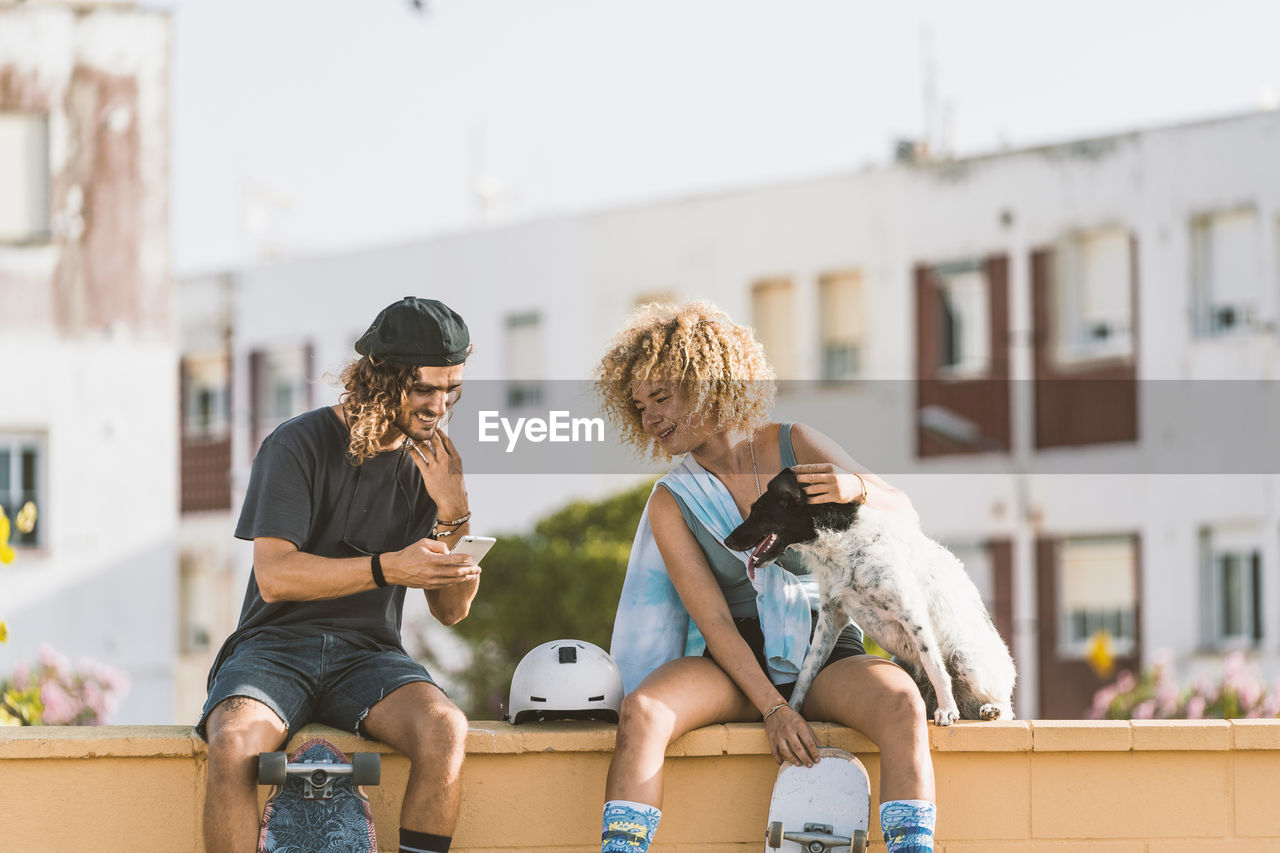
(568, 654)
(599, 698)
(537, 698)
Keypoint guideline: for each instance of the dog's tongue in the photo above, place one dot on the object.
(755, 554)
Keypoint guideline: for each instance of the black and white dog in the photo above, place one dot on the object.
(910, 594)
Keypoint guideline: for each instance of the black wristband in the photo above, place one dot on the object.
(378, 577)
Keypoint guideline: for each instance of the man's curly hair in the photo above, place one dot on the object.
(719, 365)
(375, 393)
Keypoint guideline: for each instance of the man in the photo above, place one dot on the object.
(347, 507)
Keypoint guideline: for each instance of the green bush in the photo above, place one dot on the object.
(560, 581)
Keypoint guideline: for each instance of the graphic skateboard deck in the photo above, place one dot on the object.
(317, 805)
(821, 809)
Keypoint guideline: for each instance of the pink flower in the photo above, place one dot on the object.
(59, 706)
(21, 673)
(55, 661)
(1195, 708)
(1144, 710)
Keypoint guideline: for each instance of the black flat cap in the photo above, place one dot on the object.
(418, 332)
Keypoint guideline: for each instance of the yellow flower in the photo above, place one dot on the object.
(4, 632)
(1100, 655)
(26, 518)
(6, 553)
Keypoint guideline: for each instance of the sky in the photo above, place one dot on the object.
(321, 126)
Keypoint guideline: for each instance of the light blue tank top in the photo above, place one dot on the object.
(728, 568)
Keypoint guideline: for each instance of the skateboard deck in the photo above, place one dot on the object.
(317, 804)
(822, 808)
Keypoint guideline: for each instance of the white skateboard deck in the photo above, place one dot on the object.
(821, 809)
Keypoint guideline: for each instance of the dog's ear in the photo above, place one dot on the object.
(787, 486)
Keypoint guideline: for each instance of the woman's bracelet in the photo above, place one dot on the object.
(769, 713)
(865, 493)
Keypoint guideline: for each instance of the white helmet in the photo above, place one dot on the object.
(565, 680)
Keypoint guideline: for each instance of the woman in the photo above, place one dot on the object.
(688, 381)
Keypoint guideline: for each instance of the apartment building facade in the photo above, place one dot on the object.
(86, 341)
(1060, 353)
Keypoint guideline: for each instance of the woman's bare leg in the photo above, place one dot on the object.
(678, 697)
(879, 699)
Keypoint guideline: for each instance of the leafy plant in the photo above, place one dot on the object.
(560, 581)
(16, 706)
(1237, 691)
(53, 693)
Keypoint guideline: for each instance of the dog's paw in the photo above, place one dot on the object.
(946, 716)
(989, 712)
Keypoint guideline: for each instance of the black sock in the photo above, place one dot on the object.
(423, 842)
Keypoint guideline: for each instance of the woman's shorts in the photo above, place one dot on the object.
(848, 644)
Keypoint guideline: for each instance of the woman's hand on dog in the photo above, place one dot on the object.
(427, 564)
(791, 737)
(824, 482)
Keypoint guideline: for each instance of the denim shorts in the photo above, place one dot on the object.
(324, 679)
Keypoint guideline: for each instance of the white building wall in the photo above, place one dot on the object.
(585, 272)
(88, 357)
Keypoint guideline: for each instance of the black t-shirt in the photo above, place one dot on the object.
(303, 489)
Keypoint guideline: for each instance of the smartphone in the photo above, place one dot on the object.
(476, 546)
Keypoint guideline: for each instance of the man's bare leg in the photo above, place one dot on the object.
(239, 728)
(420, 722)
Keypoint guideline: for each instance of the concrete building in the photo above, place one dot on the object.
(1034, 344)
(88, 392)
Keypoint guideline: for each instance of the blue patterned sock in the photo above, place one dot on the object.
(908, 825)
(628, 827)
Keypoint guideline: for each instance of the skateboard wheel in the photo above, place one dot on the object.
(859, 844)
(271, 768)
(775, 834)
(366, 768)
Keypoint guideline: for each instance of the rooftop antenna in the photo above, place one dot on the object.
(929, 78)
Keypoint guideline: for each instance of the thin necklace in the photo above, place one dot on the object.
(754, 470)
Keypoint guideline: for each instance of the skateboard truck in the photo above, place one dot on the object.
(318, 777)
(816, 838)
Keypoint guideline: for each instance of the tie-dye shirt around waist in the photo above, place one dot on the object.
(729, 570)
(652, 625)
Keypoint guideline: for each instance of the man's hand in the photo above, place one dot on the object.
(427, 564)
(441, 468)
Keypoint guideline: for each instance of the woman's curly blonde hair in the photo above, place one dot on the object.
(374, 396)
(719, 365)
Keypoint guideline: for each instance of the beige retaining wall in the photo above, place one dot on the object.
(1141, 787)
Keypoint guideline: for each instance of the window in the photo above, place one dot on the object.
(21, 461)
(1225, 271)
(524, 359)
(24, 174)
(1231, 589)
(1098, 592)
(773, 316)
(966, 323)
(1095, 296)
(205, 406)
(282, 389)
(840, 318)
